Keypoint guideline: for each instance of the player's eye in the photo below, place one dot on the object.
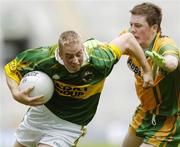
(137, 25)
(79, 54)
(69, 57)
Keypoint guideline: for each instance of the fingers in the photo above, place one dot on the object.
(156, 55)
(92, 44)
(89, 44)
(149, 54)
(26, 99)
(95, 43)
(148, 80)
(35, 101)
(147, 84)
(152, 55)
(28, 90)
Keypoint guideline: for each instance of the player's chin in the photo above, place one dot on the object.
(74, 69)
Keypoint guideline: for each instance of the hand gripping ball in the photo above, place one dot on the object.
(42, 83)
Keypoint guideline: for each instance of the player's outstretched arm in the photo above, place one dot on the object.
(23, 96)
(127, 43)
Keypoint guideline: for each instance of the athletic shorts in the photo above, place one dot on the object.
(40, 125)
(159, 131)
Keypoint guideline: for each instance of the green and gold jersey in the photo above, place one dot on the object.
(76, 95)
(164, 97)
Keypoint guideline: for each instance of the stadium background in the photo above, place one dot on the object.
(32, 23)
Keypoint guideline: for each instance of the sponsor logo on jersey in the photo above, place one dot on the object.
(70, 90)
(80, 92)
(133, 67)
(56, 77)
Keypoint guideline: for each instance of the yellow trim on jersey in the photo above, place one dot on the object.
(116, 50)
(11, 71)
(160, 42)
(79, 92)
(170, 52)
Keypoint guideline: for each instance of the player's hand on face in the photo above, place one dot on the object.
(148, 79)
(23, 96)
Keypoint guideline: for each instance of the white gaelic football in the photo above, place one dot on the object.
(42, 83)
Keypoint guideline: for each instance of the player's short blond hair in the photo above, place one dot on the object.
(68, 38)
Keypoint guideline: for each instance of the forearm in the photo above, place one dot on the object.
(137, 51)
(13, 86)
(127, 43)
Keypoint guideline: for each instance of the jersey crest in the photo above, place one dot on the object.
(87, 76)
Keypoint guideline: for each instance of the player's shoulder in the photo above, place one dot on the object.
(166, 40)
(166, 44)
(38, 53)
(100, 50)
(40, 50)
(44, 49)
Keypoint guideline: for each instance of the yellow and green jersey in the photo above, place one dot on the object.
(76, 95)
(164, 97)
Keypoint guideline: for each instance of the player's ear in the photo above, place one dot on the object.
(60, 53)
(155, 28)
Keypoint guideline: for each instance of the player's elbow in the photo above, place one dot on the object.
(128, 40)
(171, 66)
(171, 63)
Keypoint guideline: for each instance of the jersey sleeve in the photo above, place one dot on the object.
(104, 57)
(11, 70)
(116, 51)
(168, 47)
(14, 69)
(25, 62)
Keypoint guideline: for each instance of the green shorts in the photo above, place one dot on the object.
(157, 130)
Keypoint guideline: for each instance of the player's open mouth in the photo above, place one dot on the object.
(136, 37)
